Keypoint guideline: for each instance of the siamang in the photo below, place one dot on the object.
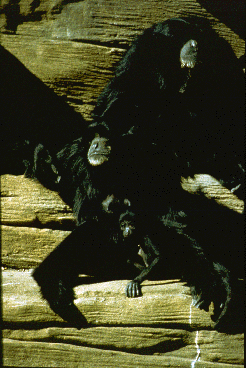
(159, 205)
(179, 85)
(166, 244)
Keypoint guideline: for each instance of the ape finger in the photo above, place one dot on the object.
(133, 289)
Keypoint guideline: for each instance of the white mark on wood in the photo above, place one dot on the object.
(198, 350)
(11, 283)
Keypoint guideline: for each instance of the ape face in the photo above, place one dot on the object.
(127, 224)
(99, 151)
(189, 54)
(127, 219)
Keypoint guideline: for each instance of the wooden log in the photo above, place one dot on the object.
(74, 70)
(26, 247)
(25, 202)
(166, 303)
(40, 354)
(210, 187)
(214, 346)
(35, 220)
(162, 322)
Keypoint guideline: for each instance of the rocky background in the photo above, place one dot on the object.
(72, 47)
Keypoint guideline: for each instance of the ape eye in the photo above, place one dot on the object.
(193, 44)
(126, 201)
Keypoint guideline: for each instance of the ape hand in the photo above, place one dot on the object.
(133, 289)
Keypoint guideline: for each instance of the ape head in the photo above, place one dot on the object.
(127, 223)
(126, 219)
(189, 54)
(99, 151)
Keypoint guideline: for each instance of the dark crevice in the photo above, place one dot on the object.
(68, 225)
(120, 45)
(34, 325)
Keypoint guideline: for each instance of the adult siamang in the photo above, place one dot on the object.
(179, 85)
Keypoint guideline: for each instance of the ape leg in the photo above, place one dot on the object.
(231, 317)
(206, 282)
(87, 250)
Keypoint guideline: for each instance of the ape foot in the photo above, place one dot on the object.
(203, 296)
(133, 289)
(69, 313)
(231, 317)
(199, 299)
(60, 296)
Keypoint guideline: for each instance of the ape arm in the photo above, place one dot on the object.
(44, 169)
(149, 253)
